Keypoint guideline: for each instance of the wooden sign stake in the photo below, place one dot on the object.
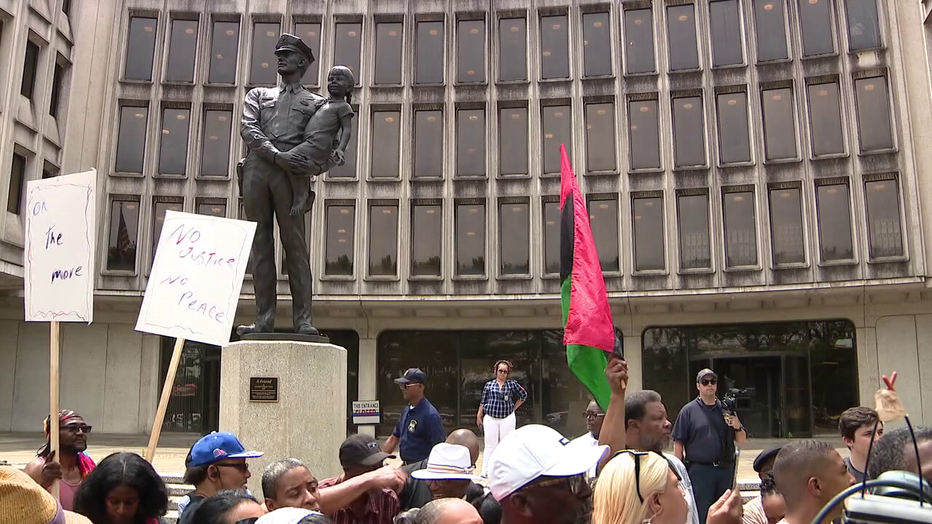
(54, 377)
(163, 400)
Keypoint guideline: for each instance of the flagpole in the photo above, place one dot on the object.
(54, 376)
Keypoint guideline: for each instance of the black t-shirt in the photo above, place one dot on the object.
(703, 432)
(188, 516)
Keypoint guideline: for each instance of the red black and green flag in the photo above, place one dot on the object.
(589, 335)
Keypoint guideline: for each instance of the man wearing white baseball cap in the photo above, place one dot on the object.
(449, 471)
(538, 477)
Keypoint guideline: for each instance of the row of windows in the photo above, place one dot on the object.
(817, 36)
(30, 75)
(739, 208)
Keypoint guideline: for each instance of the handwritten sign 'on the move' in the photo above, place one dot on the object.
(60, 225)
(196, 277)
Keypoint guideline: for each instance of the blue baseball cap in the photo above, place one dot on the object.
(219, 446)
(412, 376)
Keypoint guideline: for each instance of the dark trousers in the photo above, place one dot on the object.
(709, 482)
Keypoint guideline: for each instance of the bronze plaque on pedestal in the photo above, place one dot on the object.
(263, 389)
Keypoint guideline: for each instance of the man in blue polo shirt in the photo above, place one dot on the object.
(420, 426)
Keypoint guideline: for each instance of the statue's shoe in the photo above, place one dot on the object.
(306, 329)
(253, 328)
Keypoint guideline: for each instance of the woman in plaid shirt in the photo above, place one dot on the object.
(500, 399)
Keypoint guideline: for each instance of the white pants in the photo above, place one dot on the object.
(495, 429)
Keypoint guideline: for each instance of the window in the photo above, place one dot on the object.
(124, 227)
(863, 24)
(786, 226)
(470, 239)
(815, 18)
(681, 30)
(834, 222)
(688, 138)
(513, 153)
(779, 124)
(30, 66)
(647, 216)
(50, 171)
(734, 142)
(347, 47)
(14, 199)
(725, 25)
(643, 130)
(66, 7)
(57, 78)
(140, 48)
(554, 51)
(212, 209)
(551, 238)
(600, 137)
(182, 49)
(512, 51)
(131, 143)
(158, 218)
(388, 52)
(383, 240)
(639, 41)
(470, 142)
(173, 149)
(470, 42)
(340, 233)
(514, 223)
(556, 121)
(597, 47)
(740, 230)
(428, 143)
(603, 218)
(263, 68)
(883, 218)
(825, 120)
(426, 239)
(874, 128)
(310, 33)
(429, 57)
(770, 21)
(215, 155)
(348, 169)
(224, 48)
(386, 141)
(693, 218)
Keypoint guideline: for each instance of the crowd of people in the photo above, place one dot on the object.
(616, 473)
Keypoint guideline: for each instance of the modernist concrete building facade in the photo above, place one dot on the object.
(756, 174)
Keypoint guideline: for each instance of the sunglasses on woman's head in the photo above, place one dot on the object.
(637, 467)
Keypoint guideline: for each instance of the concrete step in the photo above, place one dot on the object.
(178, 490)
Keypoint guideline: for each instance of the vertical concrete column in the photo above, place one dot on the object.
(868, 370)
(633, 358)
(368, 366)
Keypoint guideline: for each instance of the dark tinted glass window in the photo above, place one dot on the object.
(310, 33)
(140, 48)
(600, 137)
(470, 142)
(513, 141)
(429, 59)
(173, 146)
(182, 48)
(388, 52)
(513, 239)
(639, 41)
(347, 47)
(816, 25)
(648, 233)
(215, 157)
(66, 7)
(263, 68)
(786, 226)
(131, 143)
(834, 222)
(17, 181)
(825, 119)
(470, 239)
(470, 56)
(733, 137)
(725, 24)
(341, 225)
(693, 217)
(551, 237)
(224, 48)
(554, 53)
(681, 31)
(874, 126)
(688, 137)
(740, 232)
(863, 24)
(426, 239)
(383, 240)
(603, 217)
(883, 219)
(348, 170)
(512, 51)
(644, 132)
(30, 64)
(212, 209)
(557, 130)
(597, 47)
(386, 126)
(428, 143)
(57, 79)
(124, 228)
(158, 218)
(779, 127)
(770, 22)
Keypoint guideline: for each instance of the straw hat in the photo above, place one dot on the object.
(22, 501)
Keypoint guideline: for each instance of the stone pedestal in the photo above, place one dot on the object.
(308, 421)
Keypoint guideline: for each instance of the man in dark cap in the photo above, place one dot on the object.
(360, 455)
(763, 464)
(420, 427)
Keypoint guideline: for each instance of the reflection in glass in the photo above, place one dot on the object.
(863, 24)
(873, 102)
(224, 48)
(554, 52)
(340, 234)
(639, 41)
(310, 33)
(17, 182)
(215, 156)
(140, 48)
(212, 209)
(348, 170)
(512, 51)
(513, 239)
(770, 22)
(648, 233)
(426, 239)
(470, 142)
(725, 25)
(834, 222)
(513, 130)
(429, 58)
(428, 143)
(600, 137)
(597, 48)
(779, 126)
(124, 227)
(470, 56)
(815, 18)
(825, 119)
(740, 231)
(643, 130)
(173, 147)
(786, 226)
(383, 240)
(347, 45)
(131, 142)
(733, 138)
(388, 52)
(688, 137)
(556, 122)
(182, 49)
(551, 237)
(470, 239)
(603, 217)
(883, 218)
(693, 217)
(158, 218)
(263, 69)
(681, 32)
(386, 141)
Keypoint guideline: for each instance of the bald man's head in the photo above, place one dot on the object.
(465, 437)
(809, 473)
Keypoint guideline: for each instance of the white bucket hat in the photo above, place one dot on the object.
(447, 462)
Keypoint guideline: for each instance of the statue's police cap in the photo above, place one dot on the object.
(293, 43)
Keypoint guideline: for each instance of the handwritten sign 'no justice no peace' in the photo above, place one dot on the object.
(196, 278)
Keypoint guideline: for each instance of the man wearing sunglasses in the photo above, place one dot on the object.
(595, 416)
(72, 465)
(420, 427)
(218, 463)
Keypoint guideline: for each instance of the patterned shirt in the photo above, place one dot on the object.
(379, 509)
(499, 402)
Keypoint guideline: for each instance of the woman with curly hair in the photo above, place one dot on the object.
(500, 399)
(123, 489)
